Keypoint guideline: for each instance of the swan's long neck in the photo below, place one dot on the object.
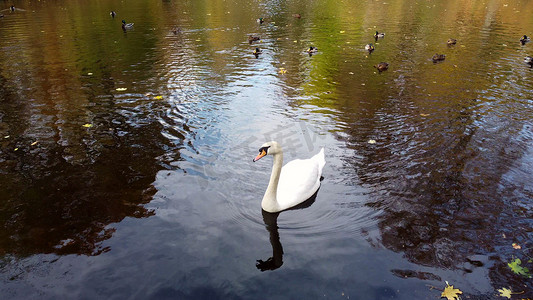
(270, 202)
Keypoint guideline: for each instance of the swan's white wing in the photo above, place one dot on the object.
(299, 180)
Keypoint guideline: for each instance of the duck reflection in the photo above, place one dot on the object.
(271, 224)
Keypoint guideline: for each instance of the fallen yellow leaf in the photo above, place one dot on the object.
(505, 293)
(371, 141)
(16, 149)
(282, 71)
(516, 246)
(34, 143)
(424, 115)
(342, 31)
(158, 97)
(450, 293)
(121, 89)
(87, 125)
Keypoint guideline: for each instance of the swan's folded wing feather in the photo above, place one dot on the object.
(299, 180)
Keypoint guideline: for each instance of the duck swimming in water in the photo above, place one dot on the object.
(378, 35)
(382, 66)
(260, 20)
(524, 39)
(12, 8)
(112, 14)
(438, 57)
(529, 60)
(452, 41)
(257, 51)
(311, 50)
(176, 30)
(126, 26)
(252, 39)
(369, 48)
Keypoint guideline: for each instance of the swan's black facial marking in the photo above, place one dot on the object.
(262, 152)
(264, 149)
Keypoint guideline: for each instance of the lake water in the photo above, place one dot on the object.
(126, 156)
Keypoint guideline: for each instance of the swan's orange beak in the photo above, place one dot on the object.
(261, 154)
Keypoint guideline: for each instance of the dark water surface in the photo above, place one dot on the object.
(126, 157)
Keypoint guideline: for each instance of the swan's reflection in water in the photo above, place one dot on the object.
(271, 224)
(276, 260)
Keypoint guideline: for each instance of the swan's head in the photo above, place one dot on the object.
(269, 148)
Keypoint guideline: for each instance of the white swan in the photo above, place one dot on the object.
(291, 185)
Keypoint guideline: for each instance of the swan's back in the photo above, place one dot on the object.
(299, 180)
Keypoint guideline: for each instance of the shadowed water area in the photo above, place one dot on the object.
(126, 155)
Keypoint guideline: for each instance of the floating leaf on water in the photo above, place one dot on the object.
(121, 89)
(89, 73)
(342, 31)
(16, 149)
(504, 292)
(6, 137)
(371, 141)
(282, 71)
(515, 267)
(516, 246)
(158, 97)
(450, 293)
(424, 115)
(34, 143)
(87, 125)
